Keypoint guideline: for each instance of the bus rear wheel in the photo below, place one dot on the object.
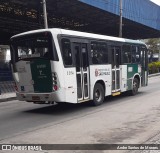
(135, 87)
(98, 94)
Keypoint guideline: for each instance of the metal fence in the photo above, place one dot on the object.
(5, 75)
(7, 87)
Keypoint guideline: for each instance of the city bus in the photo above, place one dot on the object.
(58, 65)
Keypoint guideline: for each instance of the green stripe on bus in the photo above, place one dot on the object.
(41, 75)
(131, 70)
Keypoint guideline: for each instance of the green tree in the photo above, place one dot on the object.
(153, 44)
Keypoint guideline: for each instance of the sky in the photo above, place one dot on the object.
(156, 1)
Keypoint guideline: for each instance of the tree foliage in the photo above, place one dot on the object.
(154, 67)
(153, 44)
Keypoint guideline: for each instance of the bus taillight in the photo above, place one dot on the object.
(55, 81)
(15, 86)
(55, 87)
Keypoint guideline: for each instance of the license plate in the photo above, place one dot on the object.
(36, 98)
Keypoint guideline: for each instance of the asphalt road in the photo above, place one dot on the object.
(121, 119)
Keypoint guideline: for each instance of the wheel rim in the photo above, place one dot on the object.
(135, 86)
(98, 95)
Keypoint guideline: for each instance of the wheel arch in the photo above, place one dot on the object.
(102, 83)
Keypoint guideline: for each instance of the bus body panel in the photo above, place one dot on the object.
(25, 83)
(66, 76)
(26, 89)
(70, 85)
(57, 67)
(131, 70)
(34, 76)
(101, 73)
(57, 96)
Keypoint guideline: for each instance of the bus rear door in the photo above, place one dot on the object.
(115, 54)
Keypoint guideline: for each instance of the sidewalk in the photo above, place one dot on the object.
(7, 91)
(7, 97)
(153, 75)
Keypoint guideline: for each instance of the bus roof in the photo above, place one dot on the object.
(81, 34)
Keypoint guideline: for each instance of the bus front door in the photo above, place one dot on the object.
(115, 52)
(82, 70)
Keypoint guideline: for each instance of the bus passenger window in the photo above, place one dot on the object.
(66, 51)
(135, 54)
(126, 53)
(117, 57)
(99, 53)
(77, 59)
(84, 58)
(46, 54)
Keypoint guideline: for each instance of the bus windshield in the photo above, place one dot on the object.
(29, 46)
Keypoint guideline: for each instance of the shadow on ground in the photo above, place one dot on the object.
(67, 108)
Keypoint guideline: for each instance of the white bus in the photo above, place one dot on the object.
(57, 65)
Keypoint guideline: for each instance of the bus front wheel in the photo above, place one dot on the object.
(98, 94)
(135, 87)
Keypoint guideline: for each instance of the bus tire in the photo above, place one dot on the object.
(98, 94)
(135, 87)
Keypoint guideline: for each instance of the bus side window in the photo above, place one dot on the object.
(99, 53)
(135, 54)
(85, 58)
(126, 53)
(66, 51)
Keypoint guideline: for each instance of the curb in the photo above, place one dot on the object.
(152, 75)
(8, 99)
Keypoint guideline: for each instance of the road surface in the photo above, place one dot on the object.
(119, 120)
